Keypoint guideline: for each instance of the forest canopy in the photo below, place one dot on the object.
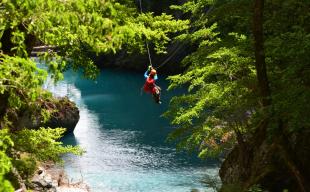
(224, 96)
(247, 90)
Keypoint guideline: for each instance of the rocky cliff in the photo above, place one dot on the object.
(169, 63)
(274, 164)
(63, 113)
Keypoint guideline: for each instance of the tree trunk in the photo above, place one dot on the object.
(260, 63)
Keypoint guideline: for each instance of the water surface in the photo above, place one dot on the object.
(124, 136)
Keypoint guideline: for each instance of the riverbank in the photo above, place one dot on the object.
(51, 177)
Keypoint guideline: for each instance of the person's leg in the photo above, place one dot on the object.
(157, 87)
(156, 94)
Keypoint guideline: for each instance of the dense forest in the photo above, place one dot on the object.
(247, 76)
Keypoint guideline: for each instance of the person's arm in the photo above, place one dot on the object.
(145, 74)
(155, 77)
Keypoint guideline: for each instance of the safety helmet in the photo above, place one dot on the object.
(153, 72)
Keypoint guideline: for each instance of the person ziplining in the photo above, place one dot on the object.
(150, 75)
(149, 86)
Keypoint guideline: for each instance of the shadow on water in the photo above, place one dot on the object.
(69, 138)
(124, 136)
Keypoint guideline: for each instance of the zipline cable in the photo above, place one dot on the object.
(172, 54)
(148, 50)
(147, 45)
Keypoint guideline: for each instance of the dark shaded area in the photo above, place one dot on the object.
(160, 6)
(165, 64)
(7, 44)
(272, 164)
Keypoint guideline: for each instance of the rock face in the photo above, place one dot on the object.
(67, 115)
(64, 113)
(275, 165)
(51, 178)
(168, 64)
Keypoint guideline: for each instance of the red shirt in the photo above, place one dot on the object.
(149, 85)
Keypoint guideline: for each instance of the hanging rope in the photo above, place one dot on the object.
(148, 50)
(147, 45)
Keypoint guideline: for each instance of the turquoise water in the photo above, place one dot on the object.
(124, 135)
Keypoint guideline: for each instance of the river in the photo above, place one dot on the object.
(124, 136)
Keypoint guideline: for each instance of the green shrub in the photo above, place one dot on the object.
(26, 166)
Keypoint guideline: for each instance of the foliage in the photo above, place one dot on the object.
(287, 57)
(223, 103)
(76, 28)
(43, 144)
(23, 148)
(20, 84)
(221, 87)
(5, 161)
(25, 166)
(255, 188)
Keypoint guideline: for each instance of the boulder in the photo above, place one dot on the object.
(66, 115)
(63, 113)
(52, 178)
